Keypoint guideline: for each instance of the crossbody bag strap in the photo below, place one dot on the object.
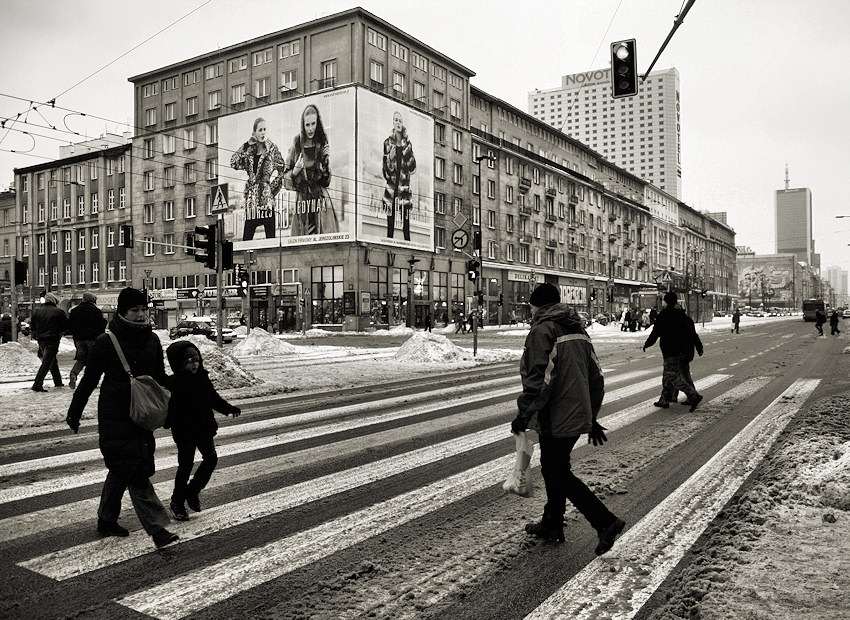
(120, 353)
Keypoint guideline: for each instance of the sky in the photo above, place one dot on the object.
(761, 80)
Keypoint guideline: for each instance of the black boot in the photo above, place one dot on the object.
(548, 528)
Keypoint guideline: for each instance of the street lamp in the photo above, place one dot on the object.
(480, 244)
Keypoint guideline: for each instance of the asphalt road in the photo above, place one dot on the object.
(386, 501)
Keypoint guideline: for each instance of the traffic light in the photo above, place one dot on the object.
(472, 269)
(127, 231)
(624, 77)
(226, 255)
(501, 299)
(20, 272)
(476, 240)
(205, 245)
(244, 282)
(190, 244)
(704, 292)
(593, 294)
(480, 298)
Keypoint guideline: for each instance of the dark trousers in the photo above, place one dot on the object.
(735, 328)
(82, 356)
(563, 485)
(818, 325)
(251, 228)
(145, 502)
(834, 331)
(187, 443)
(47, 350)
(676, 377)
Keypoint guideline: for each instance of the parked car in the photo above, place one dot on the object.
(846, 314)
(585, 318)
(200, 325)
(602, 319)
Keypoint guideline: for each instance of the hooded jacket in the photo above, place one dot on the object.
(48, 322)
(562, 382)
(86, 321)
(193, 396)
(676, 331)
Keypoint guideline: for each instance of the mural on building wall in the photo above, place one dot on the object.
(766, 280)
(395, 146)
(290, 171)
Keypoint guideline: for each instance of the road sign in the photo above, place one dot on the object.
(219, 198)
(666, 277)
(460, 238)
(459, 220)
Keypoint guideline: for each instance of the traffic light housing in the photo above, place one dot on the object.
(20, 272)
(704, 292)
(205, 245)
(593, 294)
(501, 299)
(476, 240)
(244, 282)
(624, 77)
(190, 244)
(127, 231)
(480, 298)
(472, 270)
(226, 255)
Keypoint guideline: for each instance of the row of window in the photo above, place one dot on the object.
(111, 204)
(75, 175)
(82, 273)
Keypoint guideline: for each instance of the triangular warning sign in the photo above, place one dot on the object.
(219, 202)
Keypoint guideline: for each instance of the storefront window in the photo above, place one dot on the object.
(326, 289)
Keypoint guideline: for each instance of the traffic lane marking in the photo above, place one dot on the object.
(619, 583)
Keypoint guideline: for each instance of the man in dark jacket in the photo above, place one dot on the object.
(677, 334)
(48, 324)
(562, 391)
(86, 323)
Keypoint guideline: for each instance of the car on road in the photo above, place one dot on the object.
(200, 325)
(846, 314)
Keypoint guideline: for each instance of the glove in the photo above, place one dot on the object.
(644, 348)
(236, 411)
(518, 425)
(597, 434)
(74, 425)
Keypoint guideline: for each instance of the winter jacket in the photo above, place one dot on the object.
(86, 321)
(694, 343)
(562, 383)
(127, 449)
(48, 323)
(260, 189)
(313, 202)
(193, 396)
(820, 318)
(675, 332)
(833, 319)
(398, 164)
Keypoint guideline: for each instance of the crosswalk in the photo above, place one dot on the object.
(468, 430)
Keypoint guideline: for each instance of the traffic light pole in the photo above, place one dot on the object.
(219, 269)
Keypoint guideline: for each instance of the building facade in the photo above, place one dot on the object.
(641, 134)
(793, 216)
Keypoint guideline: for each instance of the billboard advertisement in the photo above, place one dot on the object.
(395, 150)
(290, 170)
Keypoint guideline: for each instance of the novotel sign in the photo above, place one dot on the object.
(587, 78)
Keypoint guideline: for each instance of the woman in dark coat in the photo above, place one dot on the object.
(398, 166)
(128, 449)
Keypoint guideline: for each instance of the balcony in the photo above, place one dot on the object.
(524, 184)
(627, 242)
(641, 245)
(612, 238)
(375, 84)
(551, 218)
(525, 211)
(572, 247)
(550, 191)
(574, 199)
(612, 217)
(627, 262)
(641, 264)
(573, 225)
(551, 243)
(525, 238)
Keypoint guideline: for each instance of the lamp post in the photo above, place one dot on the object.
(480, 244)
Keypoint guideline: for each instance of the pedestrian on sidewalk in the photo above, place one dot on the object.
(429, 323)
(562, 391)
(128, 449)
(86, 323)
(833, 323)
(674, 328)
(820, 319)
(736, 321)
(461, 322)
(48, 324)
(192, 424)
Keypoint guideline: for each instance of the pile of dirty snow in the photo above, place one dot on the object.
(242, 330)
(429, 347)
(225, 371)
(17, 359)
(260, 342)
(66, 345)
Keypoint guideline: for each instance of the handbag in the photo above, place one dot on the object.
(148, 399)
(519, 480)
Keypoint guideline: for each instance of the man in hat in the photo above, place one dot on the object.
(562, 391)
(86, 323)
(48, 324)
(678, 338)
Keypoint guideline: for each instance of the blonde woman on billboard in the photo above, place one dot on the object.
(399, 164)
(308, 174)
(261, 159)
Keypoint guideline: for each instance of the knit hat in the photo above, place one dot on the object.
(50, 298)
(89, 297)
(670, 298)
(544, 295)
(178, 352)
(129, 298)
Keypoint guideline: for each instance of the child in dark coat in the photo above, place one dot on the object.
(192, 424)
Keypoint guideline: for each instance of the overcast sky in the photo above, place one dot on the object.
(763, 82)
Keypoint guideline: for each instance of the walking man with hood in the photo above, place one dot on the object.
(676, 331)
(48, 324)
(562, 391)
(86, 323)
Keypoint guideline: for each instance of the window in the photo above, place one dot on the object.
(168, 239)
(189, 172)
(454, 108)
(95, 238)
(440, 237)
(419, 92)
(110, 200)
(491, 219)
(169, 84)
(509, 252)
(110, 237)
(147, 148)
(212, 168)
(94, 203)
(455, 80)
(81, 273)
(170, 111)
(261, 87)
(189, 139)
(110, 271)
(289, 81)
(168, 210)
(457, 205)
(150, 117)
(68, 275)
(81, 206)
(148, 213)
(376, 73)
(457, 140)
(148, 241)
(168, 144)
(213, 71)
(261, 58)
(66, 209)
(191, 106)
(457, 174)
(168, 176)
(293, 48)
(439, 102)
(122, 197)
(399, 51)
(439, 133)
(491, 189)
(237, 93)
(438, 72)
(419, 61)
(439, 168)
(399, 83)
(377, 39)
(191, 77)
(149, 90)
(237, 64)
(328, 74)
(439, 202)
(509, 223)
(81, 239)
(190, 207)
(212, 133)
(509, 194)
(214, 100)
(122, 270)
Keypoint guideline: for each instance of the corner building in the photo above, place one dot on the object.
(370, 229)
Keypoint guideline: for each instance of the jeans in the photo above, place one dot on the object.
(187, 442)
(251, 228)
(673, 378)
(47, 350)
(147, 505)
(563, 485)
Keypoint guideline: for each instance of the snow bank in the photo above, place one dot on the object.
(260, 342)
(225, 371)
(429, 347)
(17, 359)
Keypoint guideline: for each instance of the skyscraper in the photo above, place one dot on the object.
(793, 208)
(640, 134)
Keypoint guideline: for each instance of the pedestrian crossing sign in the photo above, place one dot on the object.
(666, 277)
(219, 198)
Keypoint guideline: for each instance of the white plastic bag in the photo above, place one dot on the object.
(519, 480)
